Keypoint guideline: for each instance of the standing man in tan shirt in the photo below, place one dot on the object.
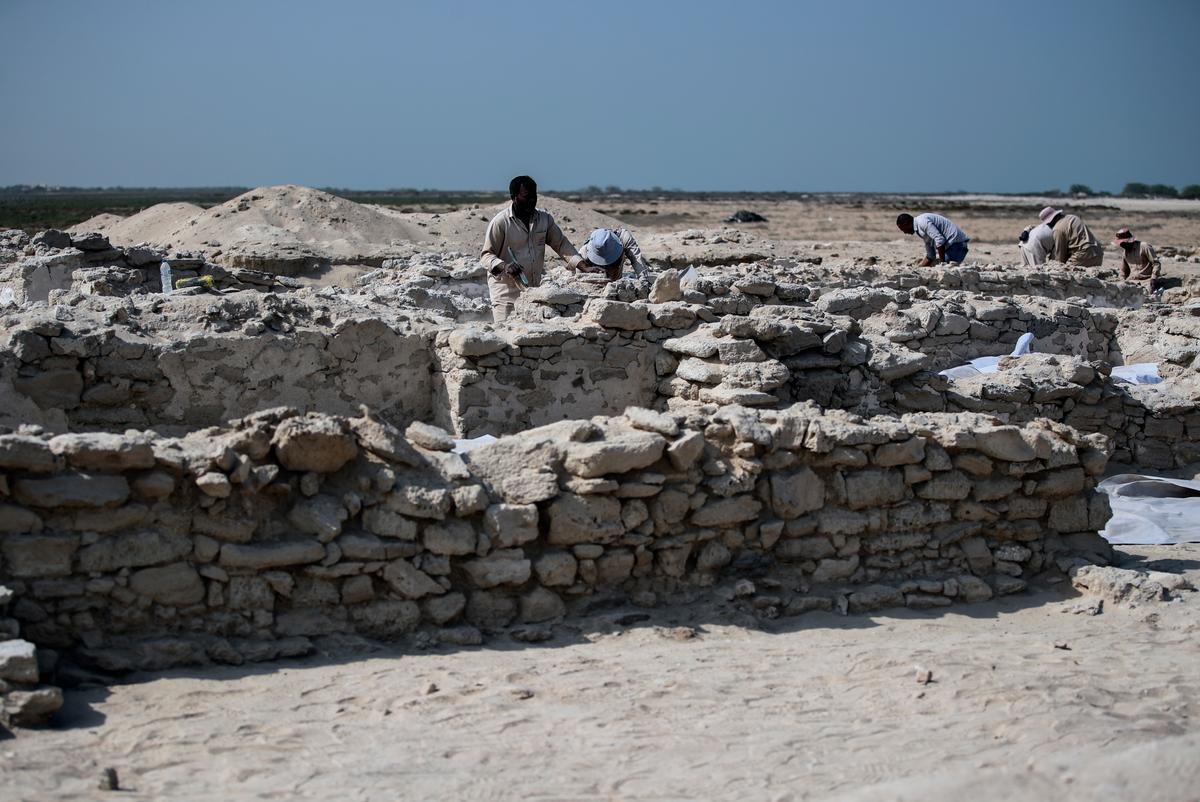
(1074, 243)
(514, 247)
(1138, 262)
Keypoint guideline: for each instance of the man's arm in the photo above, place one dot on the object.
(493, 247)
(636, 260)
(1154, 261)
(1125, 268)
(557, 240)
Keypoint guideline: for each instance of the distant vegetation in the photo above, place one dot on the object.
(1134, 189)
(36, 208)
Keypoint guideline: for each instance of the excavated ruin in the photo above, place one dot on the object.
(229, 476)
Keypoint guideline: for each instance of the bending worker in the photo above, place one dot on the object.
(944, 241)
(1036, 242)
(1138, 260)
(514, 247)
(1074, 243)
(607, 251)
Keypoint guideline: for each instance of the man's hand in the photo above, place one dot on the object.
(925, 262)
(511, 269)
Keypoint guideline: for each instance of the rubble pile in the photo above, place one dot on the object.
(246, 542)
(57, 267)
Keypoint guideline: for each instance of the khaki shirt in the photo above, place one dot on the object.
(1074, 243)
(1139, 262)
(528, 245)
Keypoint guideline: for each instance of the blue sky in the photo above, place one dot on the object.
(803, 96)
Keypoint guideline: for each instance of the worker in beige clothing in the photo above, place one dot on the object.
(608, 251)
(1138, 260)
(514, 247)
(1074, 243)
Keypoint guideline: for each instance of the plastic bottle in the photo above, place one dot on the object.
(164, 274)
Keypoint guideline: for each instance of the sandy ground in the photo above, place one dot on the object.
(1030, 699)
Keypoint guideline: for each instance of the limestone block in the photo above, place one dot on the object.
(906, 452)
(321, 516)
(540, 605)
(727, 512)
(271, 555)
(385, 523)
(666, 287)
(614, 566)
(15, 520)
(134, 550)
(507, 567)
(874, 488)
(420, 502)
(831, 569)
(410, 582)
(317, 443)
(471, 341)
(804, 548)
(103, 452)
(616, 315)
(556, 568)
(31, 708)
(20, 452)
(18, 661)
(1005, 443)
(177, 584)
(72, 490)
(950, 485)
(444, 609)
(451, 538)
(250, 593)
(650, 421)
(511, 525)
(793, 494)
(584, 519)
(615, 454)
(428, 436)
(875, 597)
(684, 452)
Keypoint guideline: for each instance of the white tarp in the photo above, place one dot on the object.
(1152, 510)
(987, 364)
(463, 446)
(1137, 373)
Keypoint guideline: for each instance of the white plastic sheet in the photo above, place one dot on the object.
(1151, 510)
(1137, 373)
(689, 276)
(464, 446)
(987, 364)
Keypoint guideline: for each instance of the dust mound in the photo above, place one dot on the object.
(153, 224)
(282, 229)
(102, 223)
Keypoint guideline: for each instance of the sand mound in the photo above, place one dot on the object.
(154, 224)
(101, 222)
(285, 229)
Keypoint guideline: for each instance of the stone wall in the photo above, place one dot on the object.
(245, 542)
(1152, 426)
(85, 373)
